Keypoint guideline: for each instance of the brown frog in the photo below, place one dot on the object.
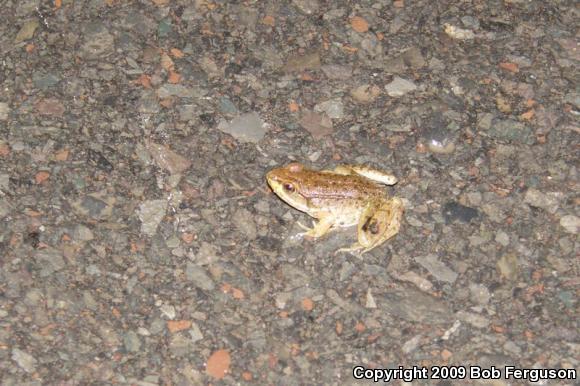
(348, 195)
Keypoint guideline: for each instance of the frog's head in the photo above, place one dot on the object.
(286, 182)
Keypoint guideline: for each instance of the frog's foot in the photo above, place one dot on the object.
(367, 172)
(354, 249)
(319, 229)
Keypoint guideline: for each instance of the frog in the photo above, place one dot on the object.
(345, 196)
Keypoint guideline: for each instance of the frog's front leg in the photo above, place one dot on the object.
(320, 228)
(379, 222)
(367, 172)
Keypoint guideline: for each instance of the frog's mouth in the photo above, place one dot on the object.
(272, 181)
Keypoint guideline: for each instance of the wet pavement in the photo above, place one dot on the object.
(141, 245)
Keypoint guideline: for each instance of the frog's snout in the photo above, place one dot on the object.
(270, 176)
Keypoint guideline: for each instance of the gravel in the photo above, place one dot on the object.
(141, 245)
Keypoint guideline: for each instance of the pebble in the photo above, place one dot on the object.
(441, 147)
(148, 103)
(98, 42)
(512, 347)
(244, 221)
(474, 198)
(436, 268)
(566, 245)
(168, 311)
(33, 297)
(211, 68)
(413, 221)
(479, 293)
(398, 128)
(476, 320)
(484, 121)
(568, 298)
(4, 209)
(164, 28)
(131, 341)
(336, 71)
(45, 81)
(308, 7)
(151, 213)
(4, 180)
(457, 32)
(247, 127)
(451, 330)
(365, 93)
(508, 266)
(421, 283)
(281, 299)
(414, 58)
(570, 223)
(108, 334)
(370, 300)
(93, 270)
(470, 22)
(494, 212)
(502, 238)
(226, 106)
(26, 361)
(299, 63)
(412, 344)
(188, 112)
(96, 158)
(198, 277)
(82, 233)
(547, 201)
(399, 87)
(49, 260)
(453, 211)
(195, 333)
(50, 106)
(167, 159)
(347, 269)
(89, 300)
(334, 108)
(207, 254)
(317, 124)
(180, 91)
(409, 303)
(512, 131)
(27, 30)
(180, 345)
(4, 111)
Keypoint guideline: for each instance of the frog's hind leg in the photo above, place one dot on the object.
(344, 170)
(367, 172)
(379, 222)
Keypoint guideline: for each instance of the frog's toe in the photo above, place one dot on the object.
(354, 249)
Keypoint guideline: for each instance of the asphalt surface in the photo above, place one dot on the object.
(141, 245)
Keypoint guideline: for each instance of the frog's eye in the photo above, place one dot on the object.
(288, 187)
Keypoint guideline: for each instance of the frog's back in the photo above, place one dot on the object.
(335, 186)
